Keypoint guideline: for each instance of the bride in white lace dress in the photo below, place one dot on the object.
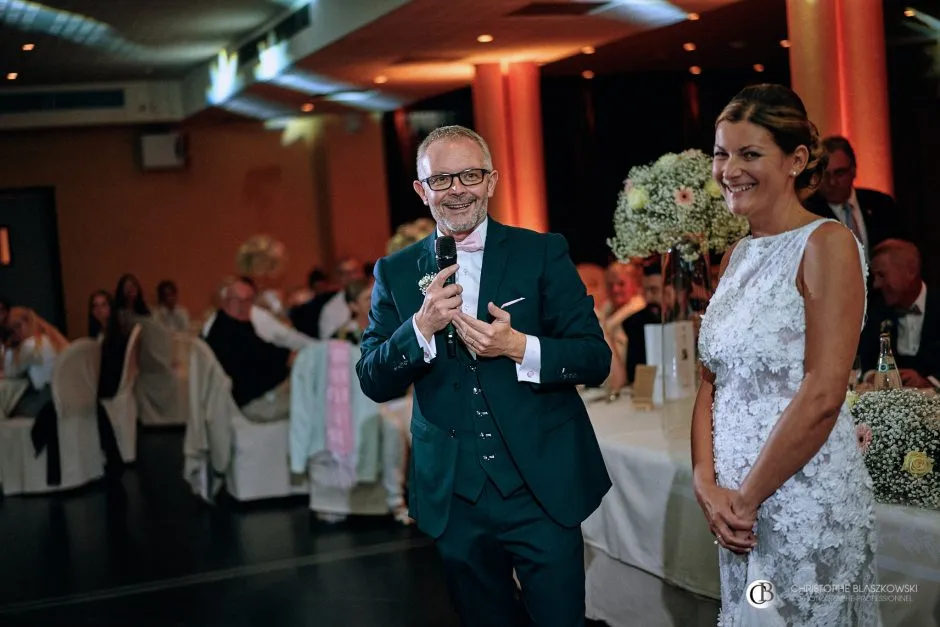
(776, 465)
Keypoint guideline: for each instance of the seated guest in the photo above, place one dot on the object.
(259, 371)
(624, 287)
(871, 215)
(335, 313)
(907, 309)
(358, 294)
(34, 346)
(595, 283)
(99, 313)
(306, 317)
(129, 296)
(651, 314)
(268, 326)
(169, 313)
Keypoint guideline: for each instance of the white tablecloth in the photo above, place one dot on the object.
(650, 520)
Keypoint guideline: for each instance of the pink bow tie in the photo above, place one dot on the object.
(473, 243)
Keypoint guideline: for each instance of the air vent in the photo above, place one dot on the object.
(32, 102)
(557, 9)
(285, 29)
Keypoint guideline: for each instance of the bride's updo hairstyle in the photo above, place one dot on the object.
(779, 110)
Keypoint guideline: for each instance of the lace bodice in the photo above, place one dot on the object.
(818, 528)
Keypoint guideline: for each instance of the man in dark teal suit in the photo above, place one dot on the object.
(505, 464)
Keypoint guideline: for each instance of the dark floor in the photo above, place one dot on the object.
(154, 555)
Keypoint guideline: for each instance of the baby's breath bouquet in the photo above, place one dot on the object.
(673, 202)
(899, 434)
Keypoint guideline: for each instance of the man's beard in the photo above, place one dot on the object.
(467, 225)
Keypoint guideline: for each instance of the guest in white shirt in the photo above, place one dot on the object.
(335, 314)
(34, 346)
(909, 311)
(595, 282)
(268, 327)
(169, 313)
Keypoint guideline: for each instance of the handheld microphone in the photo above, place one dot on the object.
(445, 248)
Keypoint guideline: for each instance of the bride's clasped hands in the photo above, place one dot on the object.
(730, 518)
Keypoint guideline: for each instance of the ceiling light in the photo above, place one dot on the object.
(485, 39)
(588, 74)
(784, 43)
(28, 47)
(695, 70)
(909, 12)
(307, 108)
(688, 46)
(588, 50)
(381, 79)
(694, 17)
(758, 67)
(12, 76)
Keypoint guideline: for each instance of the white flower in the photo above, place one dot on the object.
(425, 282)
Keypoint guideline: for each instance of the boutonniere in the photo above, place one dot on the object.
(425, 283)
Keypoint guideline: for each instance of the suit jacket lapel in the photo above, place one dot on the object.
(495, 253)
(427, 260)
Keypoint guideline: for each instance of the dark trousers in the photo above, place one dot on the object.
(485, 540)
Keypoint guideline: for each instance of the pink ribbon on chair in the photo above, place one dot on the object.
(340, 439)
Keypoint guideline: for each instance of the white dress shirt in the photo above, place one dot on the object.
(468, 276)
(36, 364)
(271, 330)
(176, 320)
(910, 326)
(839, 213)
(334, 316)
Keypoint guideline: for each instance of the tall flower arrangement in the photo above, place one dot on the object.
(673, 202)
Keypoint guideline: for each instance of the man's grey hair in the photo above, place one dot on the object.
(901, 253)
(450, 133)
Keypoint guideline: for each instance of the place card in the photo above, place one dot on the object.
(643, 382)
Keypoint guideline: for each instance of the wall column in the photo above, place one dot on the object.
(838, 67)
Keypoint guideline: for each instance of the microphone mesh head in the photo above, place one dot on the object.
(446, 250)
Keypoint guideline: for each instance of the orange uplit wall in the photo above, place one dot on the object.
(187, 225)
(838, 66)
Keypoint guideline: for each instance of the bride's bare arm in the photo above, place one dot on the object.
(832, 285)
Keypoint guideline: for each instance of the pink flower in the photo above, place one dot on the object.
(684, 196)
(863, 437)
(628, 185)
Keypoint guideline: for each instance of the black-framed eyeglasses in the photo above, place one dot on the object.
(469, 177)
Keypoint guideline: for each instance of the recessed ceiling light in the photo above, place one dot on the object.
(12, 76)
(588, 74)
(307, 108)
(758, 67)
(381, 79)
(909, 12)
(688, 46)
(485, 39)
(588, 50)
(695, 70)
(784, 43)
(28, 47)
(694, 17)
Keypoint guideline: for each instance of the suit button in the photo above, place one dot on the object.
(476, 390)
(473, 367)
(453, 433)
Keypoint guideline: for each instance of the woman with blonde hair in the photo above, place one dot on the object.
(34, 346)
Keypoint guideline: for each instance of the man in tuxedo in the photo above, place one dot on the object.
(871, 215)
(908, 310)
(505, 464)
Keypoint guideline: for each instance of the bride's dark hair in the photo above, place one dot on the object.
(779, 110)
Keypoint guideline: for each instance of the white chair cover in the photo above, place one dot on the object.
(381, 443)
(157, 388)
(220, 441)
(122, 409)
(74, 392)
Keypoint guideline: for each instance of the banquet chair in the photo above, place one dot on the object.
(158, 385)
(122, 407)
(74, 392)
(373, 485)
(222, 446)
